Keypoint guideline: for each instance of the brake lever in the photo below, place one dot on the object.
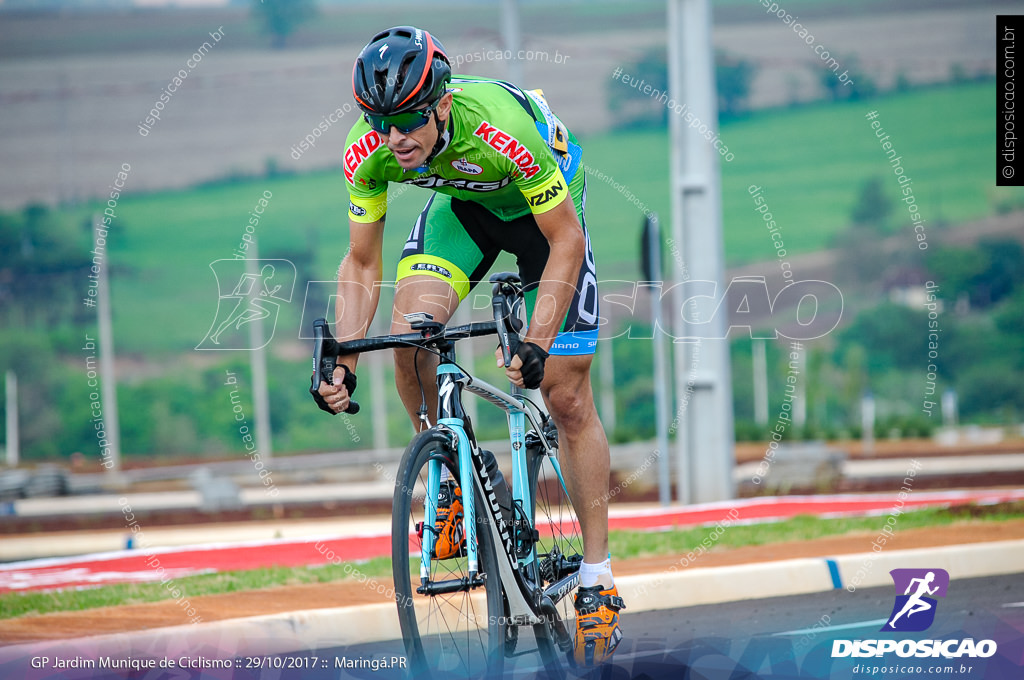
(508, 325)
(323, 366)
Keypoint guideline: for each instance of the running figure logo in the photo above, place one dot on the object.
(914, 610)
(248, 294)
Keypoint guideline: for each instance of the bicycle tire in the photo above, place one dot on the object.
(443, 635)
(559, 532)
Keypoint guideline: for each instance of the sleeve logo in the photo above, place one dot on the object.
(509, 147)
(551, 192)
(358, 152)
(356, 210)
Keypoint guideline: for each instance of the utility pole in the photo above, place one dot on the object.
(108, 381)
(705, 443)
(12, 445)
(258, 360)
(512, 37)
(651, 248)
(760, 383)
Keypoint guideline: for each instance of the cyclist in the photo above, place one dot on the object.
(507, 176)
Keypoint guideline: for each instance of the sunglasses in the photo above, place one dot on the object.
(405, 122)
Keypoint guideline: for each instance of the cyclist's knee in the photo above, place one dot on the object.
(404, 366)
(569, 407)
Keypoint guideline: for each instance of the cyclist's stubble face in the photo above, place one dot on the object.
(412, 148)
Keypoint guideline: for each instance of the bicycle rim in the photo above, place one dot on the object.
(559, 548)
(458, 634)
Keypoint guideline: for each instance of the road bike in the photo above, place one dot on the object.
(520, 559)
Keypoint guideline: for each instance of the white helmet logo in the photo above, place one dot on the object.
(382, 50)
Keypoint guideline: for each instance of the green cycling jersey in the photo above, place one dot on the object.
(505, 150)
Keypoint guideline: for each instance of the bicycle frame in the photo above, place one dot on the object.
(451, 417)
(527, 603)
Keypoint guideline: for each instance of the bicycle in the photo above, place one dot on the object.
(515, 567)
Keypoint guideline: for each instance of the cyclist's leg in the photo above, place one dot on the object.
(569, 396)
(566, 389)
(439, 265)
(585, 458)
(419, 294)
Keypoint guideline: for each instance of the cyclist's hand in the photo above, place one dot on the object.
(526, 369)
(336, 398)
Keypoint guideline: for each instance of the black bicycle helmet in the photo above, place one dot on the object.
(400, 69)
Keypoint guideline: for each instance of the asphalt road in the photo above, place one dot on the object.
(779, 638)
(783, 637)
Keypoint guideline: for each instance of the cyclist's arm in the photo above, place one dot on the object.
(558, 282)
(358, 276)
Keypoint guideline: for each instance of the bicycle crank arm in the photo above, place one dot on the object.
(555, 624)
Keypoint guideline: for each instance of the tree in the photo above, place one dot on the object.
(280, 18)
(44, 269)
(990, 389)
(860, 255)
(857, 84)
(893, 335)
(873, 207)
(626, 99)
(634, 108)
(986, 273)
(733, 76)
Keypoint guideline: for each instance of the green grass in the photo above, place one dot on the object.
(811, 163)
(190, 587)
(623, 545)
(627, 544)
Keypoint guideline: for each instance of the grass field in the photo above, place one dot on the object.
(623, 544)
(810, 162)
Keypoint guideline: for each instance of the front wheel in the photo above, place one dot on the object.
(460, 633)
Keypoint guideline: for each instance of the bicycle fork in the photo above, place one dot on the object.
(465, 462)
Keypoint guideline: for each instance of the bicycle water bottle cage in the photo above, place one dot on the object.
(424, 322)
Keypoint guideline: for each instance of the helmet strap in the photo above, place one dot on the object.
(443, 139)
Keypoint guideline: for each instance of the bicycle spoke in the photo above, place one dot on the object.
(453, 629)
(559, 547)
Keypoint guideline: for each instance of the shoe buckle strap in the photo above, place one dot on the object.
(615, 602)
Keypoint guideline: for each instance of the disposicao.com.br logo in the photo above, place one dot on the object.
(913, 611)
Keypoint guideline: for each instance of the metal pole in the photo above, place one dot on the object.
(680, 349)
(108, 382)
(949, 407)
(661, 396)
(697, 228)
(512, 37)
(606, 366)
(66, 190)
(867, 423)
(760, 383)
(258, 362)
(800, 398)
(11, 416)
